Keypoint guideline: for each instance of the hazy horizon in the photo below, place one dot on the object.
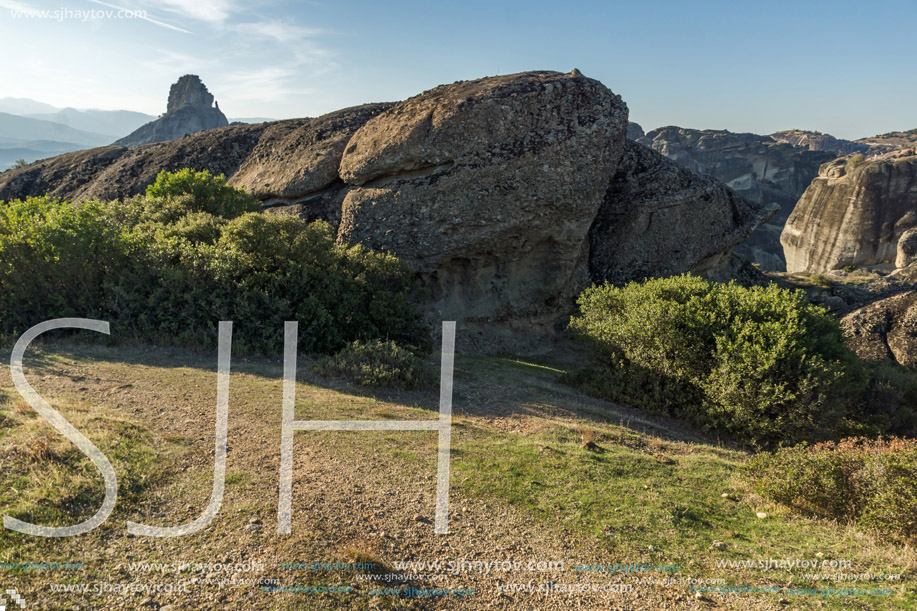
(840, 68)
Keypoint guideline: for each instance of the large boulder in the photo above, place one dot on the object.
(885, 330)
(294, 166)
(508, 195)
(488, 188)
(658, 219)
(907, 249)
(853, 213)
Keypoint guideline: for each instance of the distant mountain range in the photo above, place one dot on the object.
(32, 130)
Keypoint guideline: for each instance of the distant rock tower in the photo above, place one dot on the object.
(190, 110)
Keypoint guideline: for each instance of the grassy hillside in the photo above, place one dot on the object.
(540, 473)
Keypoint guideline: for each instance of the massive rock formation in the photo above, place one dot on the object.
(758, 168)
(509, 195)
(885, 330)
(489, 188)
(190, 110)
(817, 141)
(654, 213)
(853, 213)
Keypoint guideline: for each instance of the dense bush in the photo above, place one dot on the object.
(761, 365)
(857, 480)
(167, 266)
(381, 364)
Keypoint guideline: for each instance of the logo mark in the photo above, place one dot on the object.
(14, 597)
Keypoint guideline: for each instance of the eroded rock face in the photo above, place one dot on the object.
(489, 188)
(189, 91)
(284, 163)
(759, 168)
(659, 219)
(853, 213)
(508, 195)
(756, 167)
(885, 330)
(190, 110)
(296, 163)
(907, 249)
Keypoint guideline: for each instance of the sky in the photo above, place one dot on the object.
(840, 67)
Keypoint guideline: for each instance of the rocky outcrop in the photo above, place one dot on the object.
(817, 141)
(885, 330)
(190, 110)
(890, 142)
(853, 213)
(508, 195)
(758, 168)
(634, 131)
(489, 188)
(653, 215)
(906, 254)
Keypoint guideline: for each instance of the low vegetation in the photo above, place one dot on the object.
(166, 266)
(869, 482)
(762, 365)
(379, 364)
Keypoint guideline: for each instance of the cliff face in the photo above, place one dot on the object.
(853, 213)
(758, 168)
(508, 195)
(817, 141)
(190, 110)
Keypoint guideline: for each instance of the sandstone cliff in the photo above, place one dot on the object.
(758, 168)
(853, 213)
(190, 110)
(509, 195)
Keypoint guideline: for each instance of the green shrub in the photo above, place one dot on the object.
(380, 364)
(760, 364)
(854, 480)
(855, 160)
(178, 193)
(167, 266)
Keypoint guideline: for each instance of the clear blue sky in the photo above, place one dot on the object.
(843, 67)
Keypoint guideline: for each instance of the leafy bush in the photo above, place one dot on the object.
(761, 364)
(167, 266)
(381, 364)
(856, 480)
(200, 192)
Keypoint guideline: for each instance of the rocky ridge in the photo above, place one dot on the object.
(508, 195)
